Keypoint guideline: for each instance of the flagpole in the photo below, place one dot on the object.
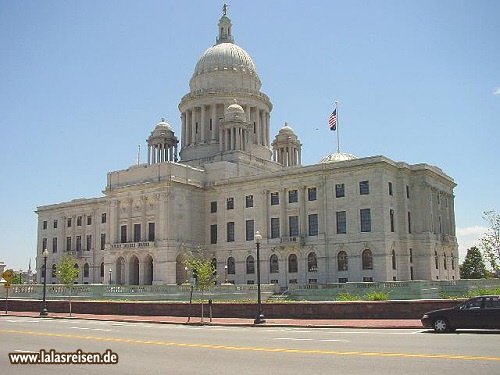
(338, 130)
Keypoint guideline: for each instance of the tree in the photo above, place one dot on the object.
(490, 242)
(200, 263)
(473, 266)
(66, 274)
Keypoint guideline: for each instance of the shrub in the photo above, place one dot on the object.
(347, 297)
(376, 296)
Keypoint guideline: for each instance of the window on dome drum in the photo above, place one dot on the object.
(409, 222)
(230, 203)
(390, 188)
(230, 231)
(343, 280)
(68, 243)
(313, 225)
(275, 227)
(55, 224)
(339, 190)
(273, 264)
(407, 191)
(103, 241)
(342, 261)
(79, 221)
(151, 232)
(231, 266)
(213, 233)
(249, 201)
(275, 199)
(89, 242)
(293, 196)
(341, 222)
(311, 194)
(44, 225)
(364, 187)
(312, 262)
(293, 265)
(367, 260)
(44, 244)
(250, 265)
(123, 234)
(89, 220)
(103, 218)
(213, 207)
(391, 219)
(137, 232)
(393, 258)
(249, 229)
(293, 223)
(54, 245)
(78, 243)
(366, 223)
(69, 223)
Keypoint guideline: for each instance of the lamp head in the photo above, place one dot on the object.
(45, 253)
(258, 237)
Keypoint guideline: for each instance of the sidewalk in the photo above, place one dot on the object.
(310, 323)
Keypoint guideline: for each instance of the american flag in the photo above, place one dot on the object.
(332, 121)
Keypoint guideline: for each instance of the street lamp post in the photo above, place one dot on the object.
(225, 274)
(44, 311)
(110, 273)
(260, 315)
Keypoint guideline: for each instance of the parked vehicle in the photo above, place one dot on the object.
(477, 312)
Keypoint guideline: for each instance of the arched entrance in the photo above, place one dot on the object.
(148, 270)
(133, 272)
(120, 271)
(181, 274)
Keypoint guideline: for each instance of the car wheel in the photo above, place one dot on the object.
(441, 325)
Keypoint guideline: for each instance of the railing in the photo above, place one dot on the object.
(132, 245)
(293, 239)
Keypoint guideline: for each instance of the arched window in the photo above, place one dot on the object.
(231, 266)
(367, 259)
(273, 264)
(54, 270)
(393, 259)
(436, 260)
(292, 263)
(86, 270)
(250, 265)
(445, 261)
(312, 262)
(342, 261)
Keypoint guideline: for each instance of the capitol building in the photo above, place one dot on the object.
(343, 219)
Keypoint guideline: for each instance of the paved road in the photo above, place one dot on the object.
(145, 348)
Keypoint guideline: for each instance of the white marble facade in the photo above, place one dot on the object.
(342, 219)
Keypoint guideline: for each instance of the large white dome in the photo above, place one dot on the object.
(225, 56)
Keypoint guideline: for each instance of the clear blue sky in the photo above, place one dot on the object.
(82, 83)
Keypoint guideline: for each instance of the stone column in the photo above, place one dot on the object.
(202, 124)
(283, 217)
(265, 231)
(215, 121)
(193, 126)
(303, 211)
(258, 126)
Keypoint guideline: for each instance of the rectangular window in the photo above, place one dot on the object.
(339, 190)
(250, 282)
(44, 244)
(341, 222)
(213, 207)
(366, 221)
(55, 224)
(313, 225)
(230, 231)
(137, 232)
(275, 227)
(89, 242)
(123, 234)
(407, 191)
(44, 225)
(411, 255)
(312, 281)
(275, 199)
(391, 218)
(69, 222)
(230, 203)
(213, 233)
(151, 232)
(89, 220)
(311, 194)
(68, 243)
(342, 280)
(292, 281)
(293, 196)
(103, 241)
(103, 218)
(79, 221)
(364, 187)
(390, 188)
(78, 243)
(249, 201)
(293, 222)
(54, 245)
(367, 279)
(249, 229)
(409, 222)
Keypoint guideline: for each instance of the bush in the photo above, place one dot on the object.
(376, 296)
(347, 297)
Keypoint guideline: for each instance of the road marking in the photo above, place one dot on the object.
(303, 339)
(255, 349)
(92, 329)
